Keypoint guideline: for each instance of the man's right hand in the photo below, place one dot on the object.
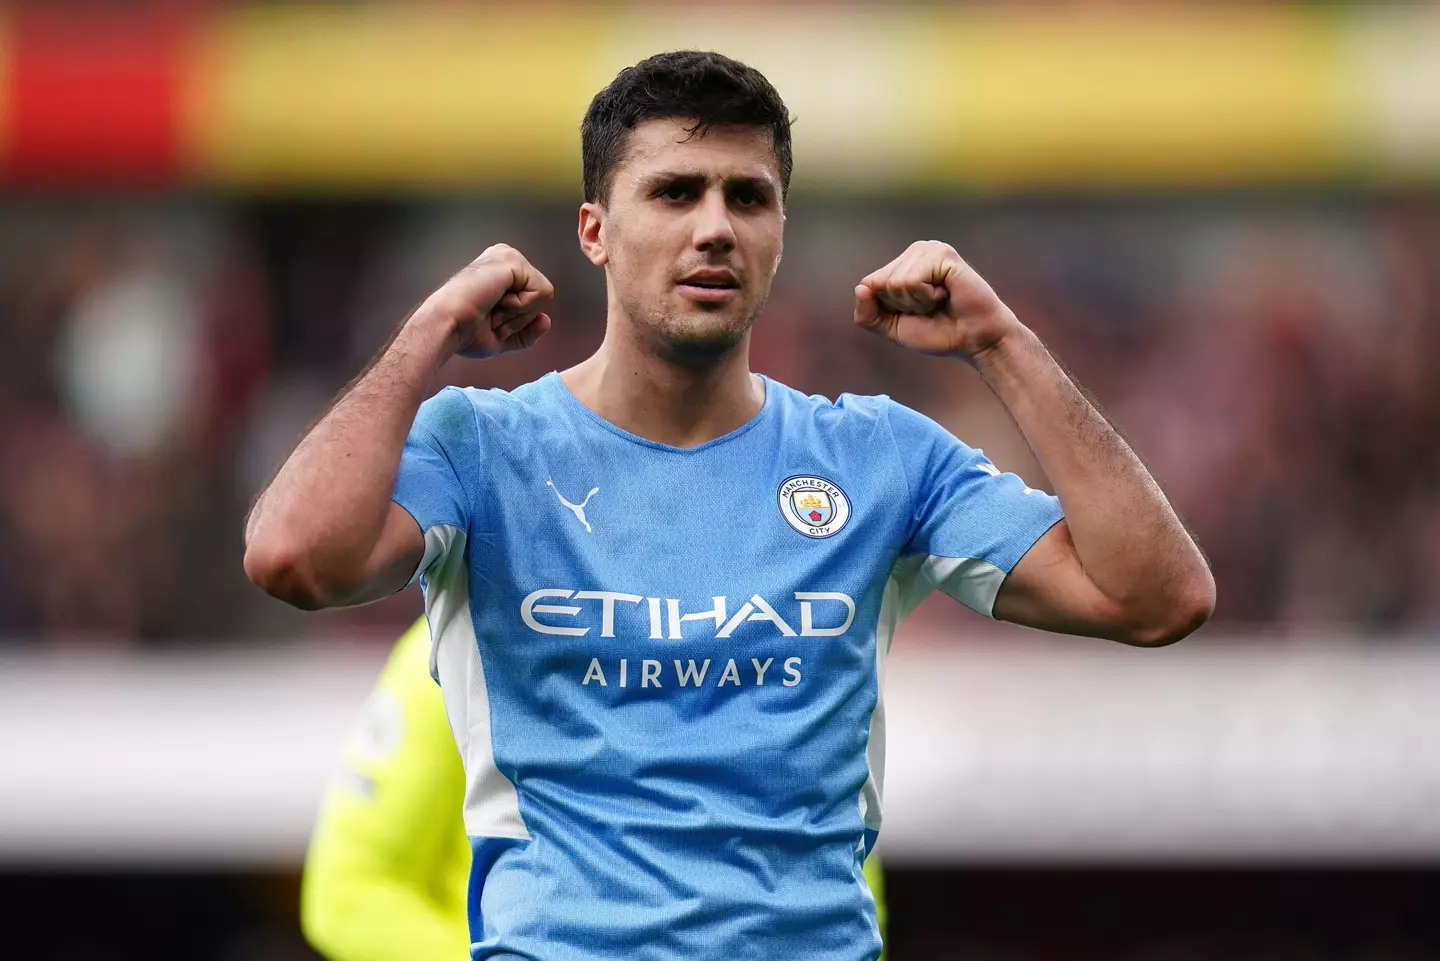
(495, 304)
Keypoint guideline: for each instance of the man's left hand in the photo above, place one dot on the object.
(931, 301)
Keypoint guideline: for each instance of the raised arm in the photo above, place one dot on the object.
(1121, 565)
(324, 532)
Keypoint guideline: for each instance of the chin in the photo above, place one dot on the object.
(701, 339)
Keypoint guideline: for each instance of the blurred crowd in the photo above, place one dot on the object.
(1276, 361)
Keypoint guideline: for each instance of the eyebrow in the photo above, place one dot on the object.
(694, 178)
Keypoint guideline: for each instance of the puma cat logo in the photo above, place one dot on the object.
(577, 509)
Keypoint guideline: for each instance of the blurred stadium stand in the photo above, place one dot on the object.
(1224, 218)
(1317, 753)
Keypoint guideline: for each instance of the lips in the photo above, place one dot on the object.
(710, 286)
(716, 279)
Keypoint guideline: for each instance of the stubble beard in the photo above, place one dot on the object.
(697, 338)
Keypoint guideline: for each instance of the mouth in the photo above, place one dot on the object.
(710, 286)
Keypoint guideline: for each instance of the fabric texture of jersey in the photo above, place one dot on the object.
(385, 876)
(663, 667)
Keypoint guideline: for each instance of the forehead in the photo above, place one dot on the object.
(720, 153)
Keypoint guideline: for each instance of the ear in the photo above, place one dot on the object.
(592, 238)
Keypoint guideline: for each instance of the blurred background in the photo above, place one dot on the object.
(1224, 219)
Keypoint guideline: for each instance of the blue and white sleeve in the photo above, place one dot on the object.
(970, 523)
(428, 485)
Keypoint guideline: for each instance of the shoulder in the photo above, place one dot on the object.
(846, 413)
(862, 416)
(464, 411)
(446, 414)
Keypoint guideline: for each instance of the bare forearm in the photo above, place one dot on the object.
(323, 513)
(1121, 565)
(324, 532)
(1127, 537)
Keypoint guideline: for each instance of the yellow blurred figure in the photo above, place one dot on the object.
(386, 873)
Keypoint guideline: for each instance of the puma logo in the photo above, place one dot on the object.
(577, 509)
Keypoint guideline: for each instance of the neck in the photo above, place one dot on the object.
(663, 400)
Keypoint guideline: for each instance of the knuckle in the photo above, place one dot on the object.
(497, 253)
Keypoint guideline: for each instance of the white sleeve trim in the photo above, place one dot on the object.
(971, 581)
(492, 804)
(438, 541)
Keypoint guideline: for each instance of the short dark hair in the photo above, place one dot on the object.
(709, 88)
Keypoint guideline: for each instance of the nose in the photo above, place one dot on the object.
(713, 229)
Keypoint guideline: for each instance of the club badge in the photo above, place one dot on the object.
(813, 506)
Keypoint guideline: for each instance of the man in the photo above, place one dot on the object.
(385, 874)
(661, 586)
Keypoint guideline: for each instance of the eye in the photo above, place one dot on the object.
(747, 197)
(676, 192)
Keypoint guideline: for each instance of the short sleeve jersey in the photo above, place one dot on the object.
(664, 666)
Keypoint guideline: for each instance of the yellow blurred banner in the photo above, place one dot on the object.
(389, 96)
(1221, 96)
(422, 96)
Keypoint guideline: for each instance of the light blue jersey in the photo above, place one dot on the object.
(663, 666)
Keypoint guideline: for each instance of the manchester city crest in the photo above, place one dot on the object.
(813, 505)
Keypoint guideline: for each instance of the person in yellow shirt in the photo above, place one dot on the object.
(386, 872)
(388, 864)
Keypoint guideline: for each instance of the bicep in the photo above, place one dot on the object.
(394, 558)
(1048, 589)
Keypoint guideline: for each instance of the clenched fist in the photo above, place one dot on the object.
(930, 300)
(495, 304)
